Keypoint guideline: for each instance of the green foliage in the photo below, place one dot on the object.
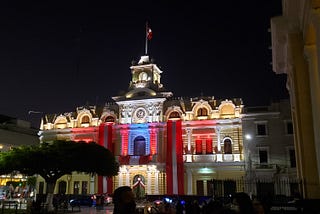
(56, 159)
(31, 181)
(13, 183)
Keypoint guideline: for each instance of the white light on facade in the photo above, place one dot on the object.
(248, 136)
(206, 170)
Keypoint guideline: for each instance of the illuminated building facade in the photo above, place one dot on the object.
(164, 145)
(295, 52)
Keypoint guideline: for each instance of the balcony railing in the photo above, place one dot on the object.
(212, 158)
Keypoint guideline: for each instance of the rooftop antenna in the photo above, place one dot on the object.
(148, 37)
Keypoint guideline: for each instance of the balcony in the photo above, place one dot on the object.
(265, 166)
(211, 158)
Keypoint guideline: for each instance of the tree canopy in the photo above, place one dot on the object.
(53, 160)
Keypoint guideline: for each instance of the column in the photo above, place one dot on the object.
(156, 183)
(312, 52)
(189, 137)
(127, 177)
(120, 177)
(149, 182)
(218, 129)
(189, 182)
(104, 184)
(92, 190)
(189, 140)
(219, 155)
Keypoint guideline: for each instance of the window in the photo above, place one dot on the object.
(62, 187)
(41, 187)
(261, 129)
(292, 156)
(263, 155)
(198, 146)
(200, 187)
(109, 119)
(209, 146)
(85, 119)
(84, 188)
(76, 187)
(140, 146)
(289, 127)
(202, 112)
(174, 115)
(227, 146)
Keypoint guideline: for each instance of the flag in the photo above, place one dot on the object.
(149, 33)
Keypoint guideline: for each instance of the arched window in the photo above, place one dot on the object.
(202, 112)
(61, 123)
(227, 146)
(174, 115)
(85, 119)
(62, 187)
(139, 146)
(109, 119)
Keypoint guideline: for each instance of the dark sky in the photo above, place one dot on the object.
(55, 56)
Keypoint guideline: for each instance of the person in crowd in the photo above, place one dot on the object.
(258, 207)
(241, 203)
(213, 207)
(124, 201)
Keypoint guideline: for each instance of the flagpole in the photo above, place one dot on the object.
(146, 51)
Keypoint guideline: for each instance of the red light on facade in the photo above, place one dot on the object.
(209, 146)
(124, 140)
(198, 146)
(153, 141)
(87, 140)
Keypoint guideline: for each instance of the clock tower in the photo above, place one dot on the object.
(143, 102)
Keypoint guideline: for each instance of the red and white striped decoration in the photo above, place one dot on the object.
(174, 160)
(105, 139)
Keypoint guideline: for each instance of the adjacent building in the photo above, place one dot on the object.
(15, 132)
(295, 52)
(269, 150)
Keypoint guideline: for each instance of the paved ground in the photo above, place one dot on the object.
(96, 210)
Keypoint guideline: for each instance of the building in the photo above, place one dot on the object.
(295, 52)
(269, 150)
(164, 145)
(15, 132)
(177, 145)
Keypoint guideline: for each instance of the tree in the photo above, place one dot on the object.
(53, 160)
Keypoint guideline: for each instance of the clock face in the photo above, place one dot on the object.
(143, 76)
(140, 114)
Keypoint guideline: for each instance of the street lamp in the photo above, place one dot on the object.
(249, 172)
(248, 136)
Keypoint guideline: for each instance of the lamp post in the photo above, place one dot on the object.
(249, 173)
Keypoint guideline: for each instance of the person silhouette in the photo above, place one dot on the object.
(124, 201)
(241, 203)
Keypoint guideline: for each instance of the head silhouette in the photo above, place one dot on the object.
(123, 200)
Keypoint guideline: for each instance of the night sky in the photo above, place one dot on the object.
(55, 56)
